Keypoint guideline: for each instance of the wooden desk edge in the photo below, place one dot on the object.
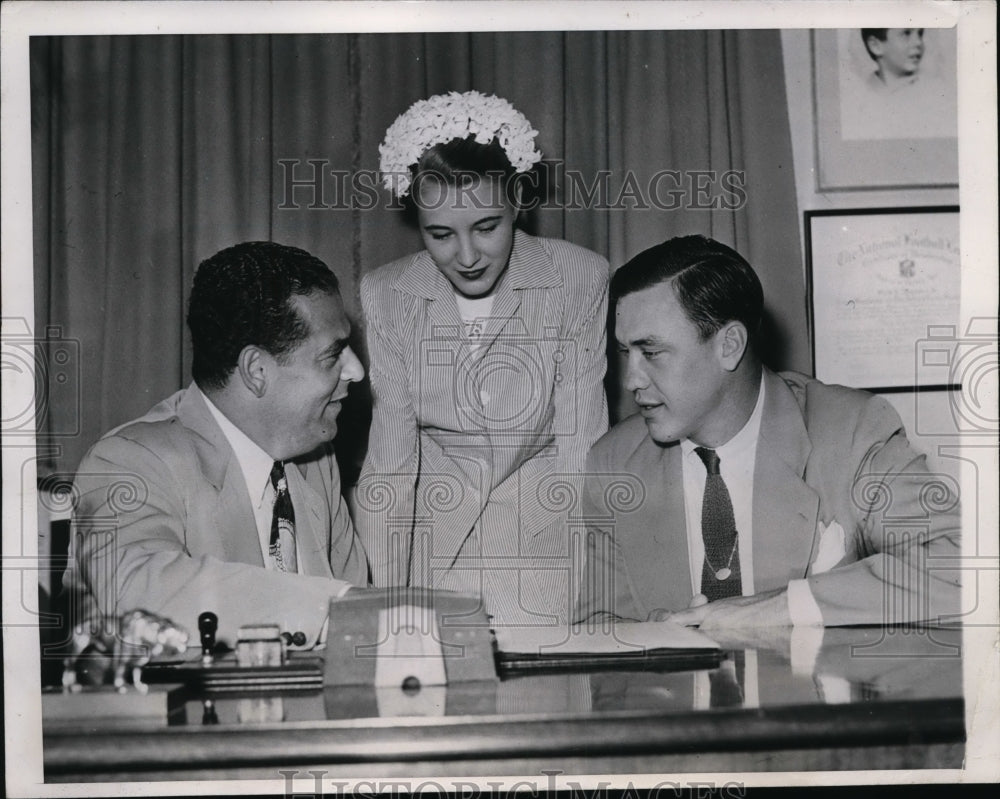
(906, 723)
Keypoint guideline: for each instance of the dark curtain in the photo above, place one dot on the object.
(150, 153)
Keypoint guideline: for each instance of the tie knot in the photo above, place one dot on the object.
(277, 474)
(709, 458)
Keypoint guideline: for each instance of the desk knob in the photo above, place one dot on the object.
(208, 714)
(298, 638)
(208, 623)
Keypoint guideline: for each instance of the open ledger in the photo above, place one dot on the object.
(615, 645)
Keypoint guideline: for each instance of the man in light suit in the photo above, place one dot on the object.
(739, 497)
(186, 509)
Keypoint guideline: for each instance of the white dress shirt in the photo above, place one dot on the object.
(736, 465)
(256, 467)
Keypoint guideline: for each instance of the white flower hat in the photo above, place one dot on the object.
(455, 115)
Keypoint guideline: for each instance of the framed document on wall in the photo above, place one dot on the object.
(886, 109)
(881, 281)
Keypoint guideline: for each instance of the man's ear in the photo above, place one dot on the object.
(252, 369)
(875, 46)
(731, 344)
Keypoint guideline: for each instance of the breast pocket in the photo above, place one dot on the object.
(832, 547)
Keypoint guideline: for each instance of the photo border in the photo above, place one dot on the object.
(977, 57)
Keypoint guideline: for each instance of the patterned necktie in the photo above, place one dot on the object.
(282, 546)
(720, 574)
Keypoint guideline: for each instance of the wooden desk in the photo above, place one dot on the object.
(870, 698)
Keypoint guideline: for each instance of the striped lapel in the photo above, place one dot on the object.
(530, 268)
(441, 319)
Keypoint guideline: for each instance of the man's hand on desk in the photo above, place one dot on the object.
(767, 609)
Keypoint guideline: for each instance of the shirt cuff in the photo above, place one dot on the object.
(802, 607)
(321, 640)
(804, 648)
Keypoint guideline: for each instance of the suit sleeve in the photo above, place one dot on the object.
(128, 551)
(384, 501)
(907, 534)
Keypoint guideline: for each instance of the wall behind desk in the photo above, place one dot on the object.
(929, 417)
(150, 153)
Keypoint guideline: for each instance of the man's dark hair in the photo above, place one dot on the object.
(242, 296)
(713, 283)
(878, 33)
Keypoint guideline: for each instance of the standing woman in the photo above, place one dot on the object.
(487, 359)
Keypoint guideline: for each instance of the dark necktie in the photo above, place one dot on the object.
(282, 545)
(720, 575)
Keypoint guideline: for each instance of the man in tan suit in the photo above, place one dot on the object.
(752, 498)
(225, 497)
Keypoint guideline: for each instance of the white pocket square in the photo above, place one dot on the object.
(832, 548)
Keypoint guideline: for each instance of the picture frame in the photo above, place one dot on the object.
(882, 283)
(870, 135)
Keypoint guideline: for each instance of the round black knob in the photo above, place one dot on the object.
(298, 638)
(208, 714)
(208, 623)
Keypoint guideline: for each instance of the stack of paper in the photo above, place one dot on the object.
(620, 638)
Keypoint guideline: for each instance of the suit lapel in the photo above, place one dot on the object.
(234, 521)
(505, 306)
(442, 323)
(785, 508)
(529, 268)
(657, 550)
(309, 522)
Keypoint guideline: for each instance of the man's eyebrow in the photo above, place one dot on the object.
(642, 342)
(335, 348)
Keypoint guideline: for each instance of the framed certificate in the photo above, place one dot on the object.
(881, 282)
(876, 129)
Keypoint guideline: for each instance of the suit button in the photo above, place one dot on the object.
(484, 397)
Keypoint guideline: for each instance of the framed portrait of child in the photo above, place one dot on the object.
(886, 108)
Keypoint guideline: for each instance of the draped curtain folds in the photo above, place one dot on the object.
(150, 153)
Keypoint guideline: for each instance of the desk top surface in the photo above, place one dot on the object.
(869, 686)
